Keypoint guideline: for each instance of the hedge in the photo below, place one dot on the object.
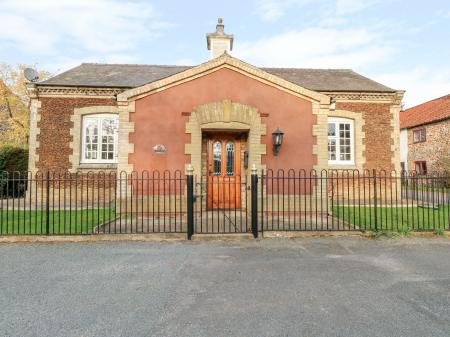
(13, 159)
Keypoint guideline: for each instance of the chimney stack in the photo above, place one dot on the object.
(219, 42)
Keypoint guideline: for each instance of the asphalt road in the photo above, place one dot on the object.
(305, 287)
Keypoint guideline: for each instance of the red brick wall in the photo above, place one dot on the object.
(378, 133)
(55, 124)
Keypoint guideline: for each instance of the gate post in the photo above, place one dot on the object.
(375, 198)
(190, 201)
(47, 204)
(254, 206)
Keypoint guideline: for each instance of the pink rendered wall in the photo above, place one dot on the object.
(159, 119)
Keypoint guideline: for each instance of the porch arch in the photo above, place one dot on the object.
(225, 115)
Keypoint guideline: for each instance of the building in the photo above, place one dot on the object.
(425, 136)
(221, 116)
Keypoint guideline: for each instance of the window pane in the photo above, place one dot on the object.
(331, 129)
(109, 126)
(100, 137)
(331, 149)
(422, 135)
(340, 141)
(217, 158)
(91, 127)
(230, 159)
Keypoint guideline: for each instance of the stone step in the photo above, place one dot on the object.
(223, 237)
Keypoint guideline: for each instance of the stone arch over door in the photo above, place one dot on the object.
(225, 115)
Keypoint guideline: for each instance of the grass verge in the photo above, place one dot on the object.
(83, 221)
(398, 219)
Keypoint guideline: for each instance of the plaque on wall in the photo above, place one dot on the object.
(159, 149)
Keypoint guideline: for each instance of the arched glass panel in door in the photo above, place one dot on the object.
(217, 158)
(230, 158)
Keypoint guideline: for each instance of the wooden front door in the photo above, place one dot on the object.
(224, 172)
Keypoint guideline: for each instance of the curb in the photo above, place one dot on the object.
(154, 237)
(160, 237)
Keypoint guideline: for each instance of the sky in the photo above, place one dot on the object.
(402, 44)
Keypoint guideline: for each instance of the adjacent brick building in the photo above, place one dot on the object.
(425, 136)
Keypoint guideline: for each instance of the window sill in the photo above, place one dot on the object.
(95, 166)
(343, 166)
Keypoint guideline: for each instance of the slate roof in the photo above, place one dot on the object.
(425, 113)
(135, 75)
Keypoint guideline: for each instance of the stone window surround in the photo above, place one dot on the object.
(76, 141)
(359, 136)
(337, 121)
(98, 120)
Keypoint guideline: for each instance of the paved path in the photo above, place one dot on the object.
(305, 287)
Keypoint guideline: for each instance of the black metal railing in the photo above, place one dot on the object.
(92, 203)
(352, 200)
(53, 203)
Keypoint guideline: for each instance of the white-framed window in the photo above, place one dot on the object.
(341, 148)
(100, 138)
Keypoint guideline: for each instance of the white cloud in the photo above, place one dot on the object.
(318, 48)
(345, 7)
(421, 84)
(271, 10)
(84, 26)
(333, 21)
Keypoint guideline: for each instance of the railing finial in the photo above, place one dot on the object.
(190, 169)
(254, 169)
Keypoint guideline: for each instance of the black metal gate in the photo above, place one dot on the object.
(221, 206)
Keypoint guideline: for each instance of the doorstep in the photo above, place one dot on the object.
(223, 237)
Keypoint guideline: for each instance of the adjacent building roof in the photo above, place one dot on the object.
(134, 75)
(425, 113)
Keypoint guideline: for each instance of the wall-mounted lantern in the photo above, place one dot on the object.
(277, 137)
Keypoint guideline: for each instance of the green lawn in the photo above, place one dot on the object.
(61, 222)
(400, 219)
